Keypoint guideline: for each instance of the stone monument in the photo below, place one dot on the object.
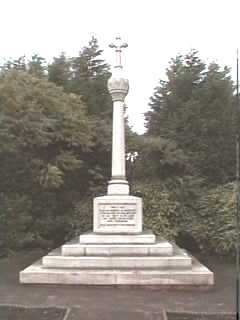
(118, 212)
(118, 251)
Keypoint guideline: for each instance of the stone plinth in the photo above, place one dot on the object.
(161, 248)
(145, 237)
(117, 214)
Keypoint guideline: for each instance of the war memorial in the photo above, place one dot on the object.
(118, 251)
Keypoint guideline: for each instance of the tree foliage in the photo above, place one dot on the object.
(55, 150)
(160, 159)
(55, 145)
(87, 75)
(59, 71)
(195, 109)
(45, 136)
(214, 222)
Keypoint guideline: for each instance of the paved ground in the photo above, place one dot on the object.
(21, 313)
(90, 303)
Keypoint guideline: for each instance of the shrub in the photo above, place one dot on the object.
(160, 210)
(214, 225)
(15, 218)
(179, 211)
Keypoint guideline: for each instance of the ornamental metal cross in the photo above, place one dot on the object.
(118, 45)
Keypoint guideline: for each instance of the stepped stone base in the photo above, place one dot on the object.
(95, 262)
(56, 260)
(146, 237)
(197, 276)
(76, 249)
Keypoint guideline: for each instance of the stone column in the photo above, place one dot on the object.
(118, 87)
(118, 212)
(118, 142)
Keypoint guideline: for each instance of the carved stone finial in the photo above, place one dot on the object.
(118, 46)
(118, 85)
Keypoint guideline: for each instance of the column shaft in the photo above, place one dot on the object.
(118, 142)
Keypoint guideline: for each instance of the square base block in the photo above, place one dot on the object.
(74, 248)
(117, 214)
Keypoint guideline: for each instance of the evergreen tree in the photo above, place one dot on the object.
(59, 71)
(195, 109)
(184, 74)
(36, 66)
(17, 64)
(89, 79)
(86, 75)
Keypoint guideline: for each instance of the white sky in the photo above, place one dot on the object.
(155, 30)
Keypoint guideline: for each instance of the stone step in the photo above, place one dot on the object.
(74, 248)
(54, 260)
(198, 275)
(145, 237)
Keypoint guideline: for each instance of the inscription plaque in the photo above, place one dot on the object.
(117, 214)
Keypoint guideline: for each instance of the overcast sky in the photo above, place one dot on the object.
(155, 30)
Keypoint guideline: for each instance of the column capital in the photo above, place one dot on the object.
(118, 88)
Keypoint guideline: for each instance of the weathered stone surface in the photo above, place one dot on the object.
(197, 275)
(145, 237)
(118, 187)
(118, 86)
(77, 249)
(117, 214)
(58, 261)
